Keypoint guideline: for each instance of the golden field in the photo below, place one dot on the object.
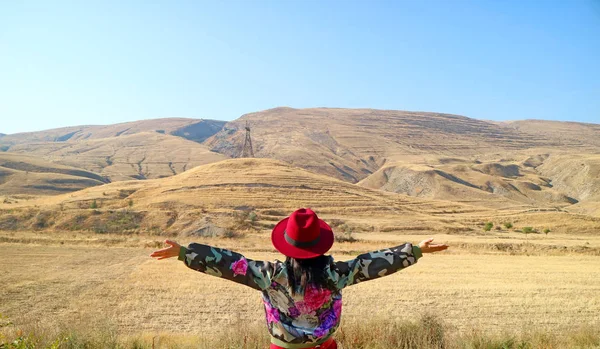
(85, 281)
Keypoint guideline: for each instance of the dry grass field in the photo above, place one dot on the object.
(113, 285)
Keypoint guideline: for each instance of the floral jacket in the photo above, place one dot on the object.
(311, 316)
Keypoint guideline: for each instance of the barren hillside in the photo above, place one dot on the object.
(351, 144)
(23, 174)
(193, 129)
(577, 175)
(135, 156)
(574, 135)
(500, 183)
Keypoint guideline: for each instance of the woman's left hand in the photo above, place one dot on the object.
(171, 251)
(427, 246)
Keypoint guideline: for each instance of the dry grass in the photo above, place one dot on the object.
(426, 332)
(482, 299)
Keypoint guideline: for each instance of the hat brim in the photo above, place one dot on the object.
(324, 244)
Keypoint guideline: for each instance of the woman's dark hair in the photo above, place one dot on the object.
(302, 272)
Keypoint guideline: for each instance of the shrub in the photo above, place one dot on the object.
(244, 220)
(9, 222)
(528, 230)
(334, 222)
(123, 193)
(275, 213)
(345, 237)
(546, 231)
(130, 203)
(43, 220)
(117, 222)
(94, 205)
(252, 217)
(488, 226)
(231, 234)
(508, 225)
(345, 234)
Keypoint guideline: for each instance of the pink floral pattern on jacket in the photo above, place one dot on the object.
(314, 298)
(239, 267)
(272, 313)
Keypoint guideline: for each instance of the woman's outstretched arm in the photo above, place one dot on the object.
(380, 263)
(221, 263)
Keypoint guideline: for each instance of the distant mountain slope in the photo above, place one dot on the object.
(133, 156)
(577, 175)
(350, 144)
(430, 155)
(500, 184)
(577, 135)
(193, 129)
(22, 174)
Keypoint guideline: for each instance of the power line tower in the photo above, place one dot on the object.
(248, 152)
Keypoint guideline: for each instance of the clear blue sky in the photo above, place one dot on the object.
(99, 62)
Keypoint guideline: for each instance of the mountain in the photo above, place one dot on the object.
(132, 150)
(518, 165)
(23, 174)
(433, 155)
(193, 129)
(351, 144)
(129, 156)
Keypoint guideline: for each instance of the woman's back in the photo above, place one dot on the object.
(310, 314)
(300, 312)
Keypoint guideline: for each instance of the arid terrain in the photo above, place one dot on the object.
(82, 207)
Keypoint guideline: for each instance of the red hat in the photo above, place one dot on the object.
(302, 235)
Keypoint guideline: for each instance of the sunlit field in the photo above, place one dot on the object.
(101, 291)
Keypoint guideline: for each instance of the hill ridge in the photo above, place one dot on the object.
(23, 174)
(78, 132)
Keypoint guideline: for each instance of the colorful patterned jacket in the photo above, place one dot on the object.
(311, 316)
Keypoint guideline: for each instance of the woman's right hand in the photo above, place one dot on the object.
(427, 247)
(171, 251)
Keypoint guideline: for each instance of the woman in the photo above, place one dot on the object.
(303, 295)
